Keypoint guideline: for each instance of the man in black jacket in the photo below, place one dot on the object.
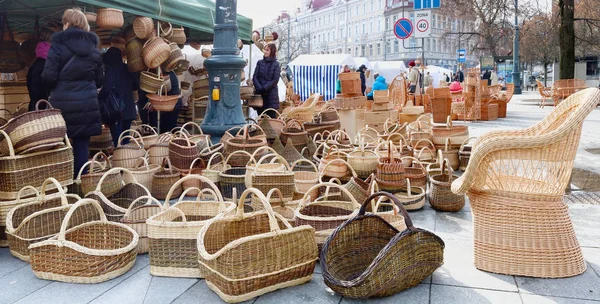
(363, 79)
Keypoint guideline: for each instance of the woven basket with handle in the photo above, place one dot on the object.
(155, 51)
(136, 215)
(441, 196)
(163, 180)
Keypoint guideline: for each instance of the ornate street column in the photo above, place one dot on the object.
(224, 71)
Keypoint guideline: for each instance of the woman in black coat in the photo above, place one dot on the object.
(35, 86)
(73, 72)
(266, 78)
(118, 78)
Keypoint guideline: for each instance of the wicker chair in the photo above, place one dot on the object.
(516, 181)
(545, 92)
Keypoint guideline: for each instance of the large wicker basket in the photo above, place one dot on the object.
(173, 232)
(143, 27)
(182, 151)
(135, 61)
(38, 219)
(367, 257)
(282, 256)
(92, 252)
(155, 52)
(109, 18)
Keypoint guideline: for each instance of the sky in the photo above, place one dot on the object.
(263, 12)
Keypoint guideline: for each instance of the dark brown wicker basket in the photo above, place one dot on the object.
(441, 196)
(182, 151)
(294, 130)
(367, 257)
(163, 180)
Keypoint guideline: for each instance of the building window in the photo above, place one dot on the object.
(387, 23)
(356, 52)
(364, 8)
(362, 51)
(341, 33)
(378, 48)
(364, 28)
(349, 51)
(356, 30)
(396, 46)
(349, 31)
(433, 45)
(357, 11)
(371, 50)
(371, 26)
(388, 47)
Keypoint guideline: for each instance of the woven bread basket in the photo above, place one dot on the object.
(109, 18)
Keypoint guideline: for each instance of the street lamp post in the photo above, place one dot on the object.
(516, 73)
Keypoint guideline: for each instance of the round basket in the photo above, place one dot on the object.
(109, 18)
(233, 178)
(441, 196)
(364, 162)
(175, 56)
(155, 51)
(178, 36)
(182, 151)
(143, 27)
(163, 103)
(416, 173)
(135, 61)
(305, 180)
(150, 82)
(126, 156)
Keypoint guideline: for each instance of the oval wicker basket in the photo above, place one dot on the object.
(109, 18)
(150, 82)
(135, 61)
(163, 103)
(175, 57)
(178, 36)
(155, 51)
(143, 27)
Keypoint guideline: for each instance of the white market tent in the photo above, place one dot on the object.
(318, 74)
(389, 69)
(362, 60)
(437, 73)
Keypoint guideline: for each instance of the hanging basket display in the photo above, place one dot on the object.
(109, 18)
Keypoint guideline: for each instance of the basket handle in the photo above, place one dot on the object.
(407, 220)
(61, 192)
(82, 202)
(237, 152)
(306, 197)
(104, 156)
(44, 101)
(150, 128)
(379, 202)
(449, 122)
(22, 190)
(462, 147)
(11, 150)
(144, 163)
(421, 152)
(89, 164)
(265, 202)
(293, 122)
(194, 162)
(113, 171)
(304, 160)
(168, 163)
(446, 166)
(183, 135)
(252, 159)
(131, 138)
(212, 157)
(193, 124)
(183, 218)
(149, 202)
(165, 137)
(196, 177)
(277, 157)
(440, 157)
(447, 144)
(427, 141)
(126, 134)
(201, 193)
(337, 160)
(270, 110)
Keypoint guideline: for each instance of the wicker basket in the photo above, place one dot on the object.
(102, 142)
(143, 174)
(391, 262)
(166, 29)
(178, 36)
(173, 232)
(295, 131)
(215, 165)
(116, 205)
(390, 172)
(325, 214)
(135, 61)
(84, 184)
(441, 196)
(451, 155)
(35, 131)
(109, 18)
(233, 177)
(39, 219)
(208, 152)
(184, 85)
(175, 57)
(200, 88)
(160, 150)
(456, 134)
(305, 180)
(155, 51)
(196, 135)
(182, 151)
(282, 256)
(416, 173)
(276, 123)
(143, 27)
(464, 153)
(136, 215)
(91, 17)
(32, 169)
(339, 169)
(192, 187)
(148, 134)
(364, 162)
(150, 82)
(265, 179)
(127, 156)
(426, 151)
(244, 142)
(163, 103)
(418, 137)
(92, 252)
(163, 180)
(272, 166)
(412, 198)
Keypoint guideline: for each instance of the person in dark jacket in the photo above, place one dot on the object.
(117, 77)
(35, 86)
(73, 72)
(460, 77)
(266, 77)
(168, 120)
(363, 80)
(487, 75)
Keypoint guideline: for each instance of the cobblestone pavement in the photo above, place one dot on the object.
(457, 281)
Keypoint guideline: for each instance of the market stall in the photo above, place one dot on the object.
(318, 74)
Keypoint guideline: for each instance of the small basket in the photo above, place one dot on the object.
(163, 103)
(355, 270)
(364, 162)
(182, 151)
(271, 166)
(178, 36)
(175, 57)
(92, 252)
(464, 153)
(305, 180)
(451, 155)
(84, 184)
(143, 27)
(126, 156)
(136, 216)
(155, 51)
(441, 196)
(456, 134)
(416, 173)
(233, 177)
(390, 172)
(109, 18)
(412, 198)
(163, 181)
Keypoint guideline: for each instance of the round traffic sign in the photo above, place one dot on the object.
(403, 28)
(422, 25)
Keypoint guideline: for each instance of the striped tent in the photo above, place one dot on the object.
(318, 74)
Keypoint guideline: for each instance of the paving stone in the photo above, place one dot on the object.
(535, 299)
(19, 284)
(592, 256)
(318, 269)
(165, 290)
(454, 226)
(458, 270)
(200, 293)
(59, 292)
(451, 294)
(416, 295)
(424, 219)
(132, 290)
(585, 286)
(8, 263)
(314, 292)
(585, 220)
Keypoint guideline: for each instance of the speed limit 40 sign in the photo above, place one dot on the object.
(422, 24)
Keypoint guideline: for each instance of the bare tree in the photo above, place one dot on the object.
(539, 40)
(298, 43)
(587, 28)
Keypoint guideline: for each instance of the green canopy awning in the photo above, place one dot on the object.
(197, 16)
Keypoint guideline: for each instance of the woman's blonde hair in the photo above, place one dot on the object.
(75, 18)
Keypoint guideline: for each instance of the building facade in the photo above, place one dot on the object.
(364, 28)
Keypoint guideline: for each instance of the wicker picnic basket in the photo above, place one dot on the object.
(214, 166)
(441, 196)
(390, 175)
(136, 215)
(91, 252)
(192, 187)
(160, 150)
(38, 219)
(163, 180)
(456, 134)
(173, 232)
(109, 18)
(325, 213)
(143, 27)
(127, 155)
(155, 51)
(451, 154)
(271, 166)
(464, 153)
(413, 197)
(282, 256)
(35, 131)
(265, 179)
(85, 183)
(233, 177)
(143, 174)
(150, 82)
(116, 205)
(182, 151)
(17, 171)
(392, 261)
